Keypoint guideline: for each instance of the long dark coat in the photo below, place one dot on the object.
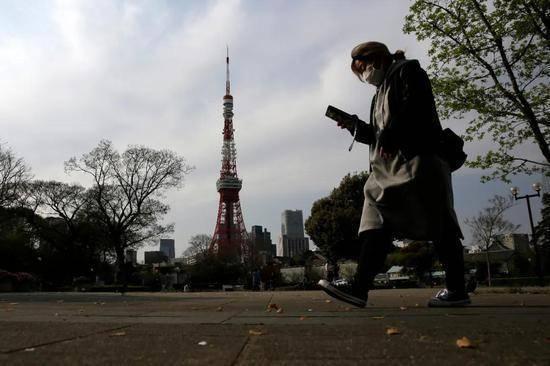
(411, 193)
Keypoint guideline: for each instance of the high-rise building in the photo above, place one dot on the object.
(167, 246)
(292, 223)
(261, 245)
(292, 241)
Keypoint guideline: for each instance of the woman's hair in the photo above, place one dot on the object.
(368, 51)
(398, 55)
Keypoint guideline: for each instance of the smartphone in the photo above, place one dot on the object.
(338, 115)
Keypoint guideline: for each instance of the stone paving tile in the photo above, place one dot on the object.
(141, 345)
(20, 335)
(166, 328)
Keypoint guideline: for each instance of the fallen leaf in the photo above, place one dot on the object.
(220, 308)
(29, 349)
(273, 306)
(377, 317)
(464, 342)
(302, 318)
(310, 310)
(102, 303)
(416, 305)
(392, 331)
(328, 301)
(403, 308)
(279, 310)
(14, 303)
(268, 310)
(202, 343)
(118, 334)
(255, 332)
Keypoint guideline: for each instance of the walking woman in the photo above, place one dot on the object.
(409, 192)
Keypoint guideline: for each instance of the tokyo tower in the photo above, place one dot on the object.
(230, 239)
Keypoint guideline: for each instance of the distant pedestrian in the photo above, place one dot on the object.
(256, 280)
(408, 193)
(331, 270)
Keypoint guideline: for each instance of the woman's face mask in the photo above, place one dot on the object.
(373, 76)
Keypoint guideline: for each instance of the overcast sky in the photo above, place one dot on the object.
(152, 73)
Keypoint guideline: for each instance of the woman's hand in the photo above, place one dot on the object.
(349, 123)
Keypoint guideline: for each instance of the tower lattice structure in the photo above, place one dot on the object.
(230, 239)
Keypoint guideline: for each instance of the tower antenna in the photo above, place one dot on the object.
(227, 82)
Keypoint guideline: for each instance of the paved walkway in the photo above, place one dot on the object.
(240, 328)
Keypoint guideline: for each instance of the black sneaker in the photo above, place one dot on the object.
(343, 291)
(446, 298)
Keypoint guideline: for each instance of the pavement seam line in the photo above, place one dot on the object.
(236, 360)
(65, 340)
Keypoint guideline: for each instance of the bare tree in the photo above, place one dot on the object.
(198, 246)
(61, 199)
(14, 174)
(489, 224)
(127, 191)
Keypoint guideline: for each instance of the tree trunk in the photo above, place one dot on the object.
(488, 267)
(121, 266)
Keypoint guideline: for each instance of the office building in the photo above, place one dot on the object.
(292, 241)
(167, 246)
(292, 224)
(261, 244)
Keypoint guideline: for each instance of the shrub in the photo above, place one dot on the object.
(6, 276)
(25, 281)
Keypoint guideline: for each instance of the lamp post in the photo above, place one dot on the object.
(536, 188)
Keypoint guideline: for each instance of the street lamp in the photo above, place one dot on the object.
(515, 192)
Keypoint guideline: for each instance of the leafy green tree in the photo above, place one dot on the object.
(491, 57)
(18, 251)
(489, 224)
(71, 238)
(210, 270)
(335, 219)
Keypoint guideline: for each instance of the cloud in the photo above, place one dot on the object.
(153, 73)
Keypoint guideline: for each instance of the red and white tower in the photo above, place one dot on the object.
(230, 240)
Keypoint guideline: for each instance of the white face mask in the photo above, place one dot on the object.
(373, 76)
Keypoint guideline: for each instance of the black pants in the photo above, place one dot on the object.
(376, 244)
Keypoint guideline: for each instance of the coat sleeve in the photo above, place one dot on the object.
(414, 124)
(365, 133)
